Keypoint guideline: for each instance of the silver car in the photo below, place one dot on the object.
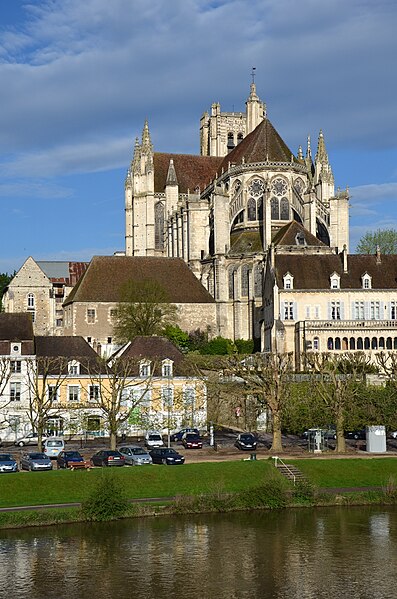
(29, 439)
(135, 455)
(35, 461)
(7, 463)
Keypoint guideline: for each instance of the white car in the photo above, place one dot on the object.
(153, 439)
(393, 434)
(29, 439)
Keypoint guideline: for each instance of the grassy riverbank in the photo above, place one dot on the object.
(198, 488)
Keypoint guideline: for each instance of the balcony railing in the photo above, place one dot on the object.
(352, 325)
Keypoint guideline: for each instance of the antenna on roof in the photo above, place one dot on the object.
(253, 74)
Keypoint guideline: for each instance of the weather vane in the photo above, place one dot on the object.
(253, 74)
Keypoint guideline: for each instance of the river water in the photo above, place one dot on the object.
(303, 553)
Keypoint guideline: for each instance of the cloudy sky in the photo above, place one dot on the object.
(79, 78)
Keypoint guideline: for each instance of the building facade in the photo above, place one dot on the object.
(219, 211)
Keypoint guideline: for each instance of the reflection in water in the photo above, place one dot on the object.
(297, 553)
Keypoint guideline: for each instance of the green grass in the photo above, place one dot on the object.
(65, 486)
(372, 472)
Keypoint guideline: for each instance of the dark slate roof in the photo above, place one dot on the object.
(157, 349)
(192, 171)
(248, 241)
(263, 143)
(16, 327)
(314, 271)
(107, 274)
(63, 272)
(67, 347)
(287, 235)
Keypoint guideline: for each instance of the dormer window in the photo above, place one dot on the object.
(166, 369)
(335, 281)
(288, 281)
(73, 367)
(144, 369)
(366, 281)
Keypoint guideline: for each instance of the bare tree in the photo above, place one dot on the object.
(5, 398)
(387, 362)
(45, 376)
(267, 377)
(335, 380)
(144, 309)
(117, 391)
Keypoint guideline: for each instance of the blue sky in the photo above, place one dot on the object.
(79, 78)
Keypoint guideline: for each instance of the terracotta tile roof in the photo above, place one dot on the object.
(287, 235)
(314, 271)
(263, 143)
(16, 327)
(106, 275)
(157, 349)
(246, 242)
(191, 171)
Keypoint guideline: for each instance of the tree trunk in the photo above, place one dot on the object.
(113, 440)
(276, 442)
(340, 434)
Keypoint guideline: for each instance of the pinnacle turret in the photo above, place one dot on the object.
(171, 175)
(147, 146)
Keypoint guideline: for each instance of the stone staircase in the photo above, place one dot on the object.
(291, 472)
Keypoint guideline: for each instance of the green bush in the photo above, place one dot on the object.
(304, 492)
(270, 494)
(244, 346)
(107, 501)
(219, 346)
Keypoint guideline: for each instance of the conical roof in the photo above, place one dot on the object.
(263, 143)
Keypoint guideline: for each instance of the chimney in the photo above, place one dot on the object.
(344, 257)
(378, 259)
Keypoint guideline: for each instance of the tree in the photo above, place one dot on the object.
(117, 392)
(386, 239)
(144, 309)
(5, 399)
(336, 381)
(266, 377)
(45, 375)
(5, 278)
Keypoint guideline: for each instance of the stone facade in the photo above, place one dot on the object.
(220, 211)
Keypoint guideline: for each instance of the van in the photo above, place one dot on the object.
(53, 447)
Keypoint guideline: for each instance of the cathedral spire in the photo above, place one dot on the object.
(147, 146)
(321, 155)
(171, 175)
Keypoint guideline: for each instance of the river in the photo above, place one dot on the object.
(301, 553)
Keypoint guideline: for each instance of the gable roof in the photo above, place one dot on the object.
(157, 349)
(191, 171)
(16, 327)
(65, 347)
(313, 271)
(263, 143)
(106, 275)
(288, 233)
(63, 272)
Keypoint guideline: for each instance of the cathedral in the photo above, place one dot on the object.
(222, 210)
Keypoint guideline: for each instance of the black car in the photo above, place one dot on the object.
(166, 455)
(66, 459)
(108, 457)
(358, 434)
(246, 441)
(175, 437)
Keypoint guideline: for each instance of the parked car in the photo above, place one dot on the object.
(7, 463)
(328, 434)
(178, 436)
(246, 441)
(166, 455)
(29, 439)
(53, 447)
(70, 459)
(393, 434)
(107, 457)
(135, 455)
(358, 434)
(35, 461)
(192, 441)
(153, 439)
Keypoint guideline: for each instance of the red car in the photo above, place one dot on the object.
(192, 441)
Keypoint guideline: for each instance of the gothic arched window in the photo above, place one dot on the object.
(159, 226)
(275, 209)
(245, 280)
(232, 282)
(284, 209)
(251, 209)
(258, 280)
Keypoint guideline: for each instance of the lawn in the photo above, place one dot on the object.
(348, 472)
(65, 486)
